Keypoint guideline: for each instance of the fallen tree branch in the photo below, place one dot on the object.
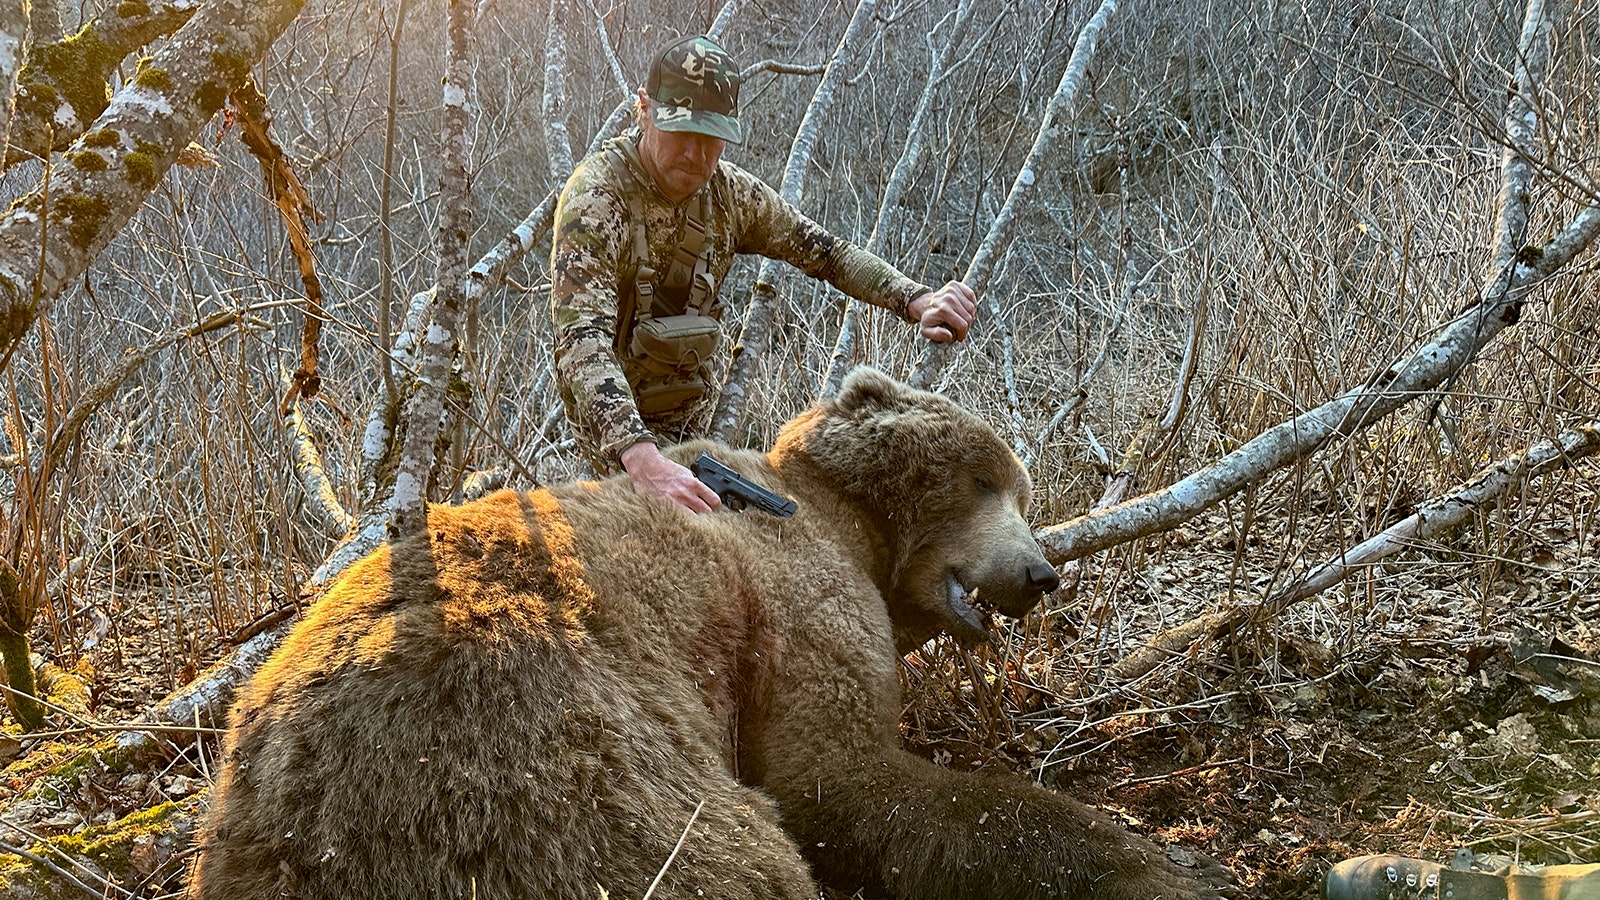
(1488, 486)
(1440, 514)
(1439, 361)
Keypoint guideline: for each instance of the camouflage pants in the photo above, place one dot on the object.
(671, 427)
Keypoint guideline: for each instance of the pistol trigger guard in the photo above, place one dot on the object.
(733, 501)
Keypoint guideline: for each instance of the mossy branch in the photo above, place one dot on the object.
(51, 236)
(19, 676)
(65, 84)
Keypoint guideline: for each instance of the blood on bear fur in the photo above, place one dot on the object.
(535, 697)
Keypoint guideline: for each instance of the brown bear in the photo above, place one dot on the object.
(575, 692)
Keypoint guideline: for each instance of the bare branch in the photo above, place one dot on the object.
(63, 85)
(320, 495)
(781, 68)
(558, 145)
(844, 347)
(1437, 515)
(758, 319)
(1441, 359)
(998, 240)
(386, 209)
(104, 389)
(293, 203)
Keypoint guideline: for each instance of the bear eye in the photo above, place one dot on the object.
(985, 486)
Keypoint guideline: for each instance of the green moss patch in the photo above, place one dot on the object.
(88, 160)
(102, 137)
(154, 79)
(83, 215)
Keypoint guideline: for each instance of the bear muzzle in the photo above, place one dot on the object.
(968, 606)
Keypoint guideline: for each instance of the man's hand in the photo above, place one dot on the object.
(945, 315)
(656, 476)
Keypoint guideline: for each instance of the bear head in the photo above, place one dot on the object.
(947, 495)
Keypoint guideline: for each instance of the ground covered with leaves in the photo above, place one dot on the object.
(1449, 700)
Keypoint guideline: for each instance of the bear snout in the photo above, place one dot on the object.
(1042, 577)
(1016, 587)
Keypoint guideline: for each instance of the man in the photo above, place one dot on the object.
(645, 231)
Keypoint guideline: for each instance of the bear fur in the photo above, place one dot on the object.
(538, 697)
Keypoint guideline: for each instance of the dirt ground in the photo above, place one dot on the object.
(1448, 700)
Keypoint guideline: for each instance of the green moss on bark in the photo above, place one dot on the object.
(19, 676)
(75, 69)
(82, 214)
(88, 160)
(154, 79)
(141, 167)
(109, 844)
(102, 137)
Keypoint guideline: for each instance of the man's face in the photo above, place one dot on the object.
(680, 161)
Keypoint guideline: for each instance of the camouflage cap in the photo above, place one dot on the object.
(695, 87)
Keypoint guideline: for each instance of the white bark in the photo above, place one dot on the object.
(759, 315)
(88, 204)
(1456, 344)
(1437, 515)
(425, 408)
(13, 29)
(844, 347)
(558, 145)
(1521, 124)
(320, 496)
(998, 240)
(724, 17)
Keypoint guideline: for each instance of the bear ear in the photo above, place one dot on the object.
(868, 388)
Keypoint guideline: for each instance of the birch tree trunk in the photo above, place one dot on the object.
(51, 235)
(998, 240)
(1518, 271)
(425, 410)
(939, 70)
(759, 314)
(557, 143)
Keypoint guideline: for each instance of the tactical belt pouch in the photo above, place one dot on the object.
(670, 345)
(658, 394)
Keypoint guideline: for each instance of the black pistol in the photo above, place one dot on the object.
(736, 491)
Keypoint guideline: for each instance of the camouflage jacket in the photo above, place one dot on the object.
(593, 256)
